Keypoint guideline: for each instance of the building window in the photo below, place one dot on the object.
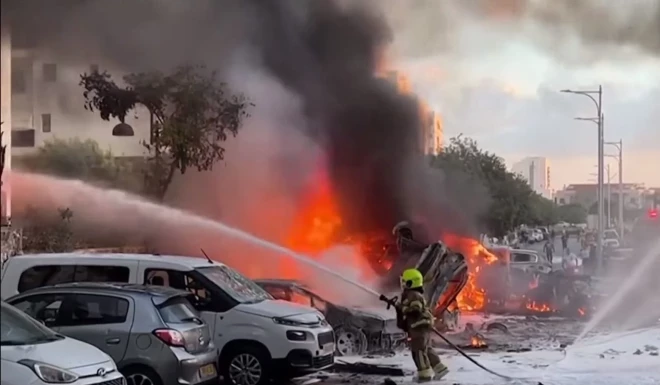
(22, 138)
(45, 122)
(50, 72)
(18, 81)
(94, 68)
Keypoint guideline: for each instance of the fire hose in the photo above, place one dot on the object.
(392, 302)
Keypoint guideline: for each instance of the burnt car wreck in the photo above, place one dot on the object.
(358, 330)
(445, 272)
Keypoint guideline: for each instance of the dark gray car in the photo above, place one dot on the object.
(153, 333)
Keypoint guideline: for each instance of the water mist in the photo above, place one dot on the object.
(627, 285)
(118, 211)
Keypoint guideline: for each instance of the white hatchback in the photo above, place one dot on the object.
(32, 354)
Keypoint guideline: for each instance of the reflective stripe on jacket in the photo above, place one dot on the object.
(414, 309)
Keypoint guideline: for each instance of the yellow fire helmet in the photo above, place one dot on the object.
(412, 279)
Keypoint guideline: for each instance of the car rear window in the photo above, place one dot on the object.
(177, 310)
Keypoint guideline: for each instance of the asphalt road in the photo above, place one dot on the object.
(573, 246)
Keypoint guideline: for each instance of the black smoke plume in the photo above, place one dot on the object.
(324, 51)
(328, 54)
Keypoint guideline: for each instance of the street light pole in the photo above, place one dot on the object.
(619, 146)
(609, 198)
(601, 160)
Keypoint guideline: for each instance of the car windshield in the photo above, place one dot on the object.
(233, 283)
(17, 328)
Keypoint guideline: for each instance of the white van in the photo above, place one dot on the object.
(256, 334)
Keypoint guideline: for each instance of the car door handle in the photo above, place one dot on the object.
(112, 341)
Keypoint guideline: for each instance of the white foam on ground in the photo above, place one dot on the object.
(602, 360)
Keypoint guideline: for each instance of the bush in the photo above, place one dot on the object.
(48, 233)
(84, 160)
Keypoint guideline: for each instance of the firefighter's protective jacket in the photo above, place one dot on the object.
(413, 312)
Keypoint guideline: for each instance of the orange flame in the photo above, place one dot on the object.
(539, 307)
(472, 297)
(477, 341)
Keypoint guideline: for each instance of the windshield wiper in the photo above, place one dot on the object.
(196, 320)
(252, 301)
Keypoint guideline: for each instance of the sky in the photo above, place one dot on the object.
(500, 85)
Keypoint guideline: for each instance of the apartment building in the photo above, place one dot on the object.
(431, 138)
(635, 195)
(47, 102)
(536, 171)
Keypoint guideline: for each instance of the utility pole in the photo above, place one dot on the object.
(619, 147)
(599, 120)
(609, 198)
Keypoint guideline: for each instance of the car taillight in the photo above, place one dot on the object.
(653, 213)
(170, 337)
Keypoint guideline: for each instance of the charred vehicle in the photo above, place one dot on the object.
(524, 281)
(358, 330)
(445, 271)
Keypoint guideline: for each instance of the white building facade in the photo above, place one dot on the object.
(5, 117)
(47, 102)
(536, 171)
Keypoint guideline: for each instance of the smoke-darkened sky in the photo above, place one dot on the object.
(494, 69)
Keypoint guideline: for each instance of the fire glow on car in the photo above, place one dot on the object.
(319, 227)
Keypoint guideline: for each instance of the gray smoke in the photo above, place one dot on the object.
(323, 52)
(573, 31)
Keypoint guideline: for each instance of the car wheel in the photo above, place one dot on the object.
(247, 365)
(141, 375)
(350, 341)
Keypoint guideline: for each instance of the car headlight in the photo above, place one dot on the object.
(49, 373)
(286, 322)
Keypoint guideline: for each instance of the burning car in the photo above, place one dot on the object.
(358, 330)
(445, 272)
(524, 281)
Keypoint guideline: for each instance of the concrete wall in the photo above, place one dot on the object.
(5, 113)
(61, 99)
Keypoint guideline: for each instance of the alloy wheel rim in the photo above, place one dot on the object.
(138, 379)
(245, 369)
(348, 343)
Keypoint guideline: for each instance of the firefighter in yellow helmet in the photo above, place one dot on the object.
(416, 319)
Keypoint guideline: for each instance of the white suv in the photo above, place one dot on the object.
(259, 338)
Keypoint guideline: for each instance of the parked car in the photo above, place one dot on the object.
(611, 239)
(536, 235)
(274, 339)
(153, 333)
(32, 354)
(358, 330)
(544, 232)
(530, 261)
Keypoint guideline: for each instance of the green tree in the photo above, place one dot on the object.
(73, 158)
(572, 213)
(85, 160)
(192, 113)
(512, 200)
(3, 149)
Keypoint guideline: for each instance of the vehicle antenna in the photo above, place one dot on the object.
(207, 256)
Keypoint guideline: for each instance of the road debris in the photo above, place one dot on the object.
(369, 369)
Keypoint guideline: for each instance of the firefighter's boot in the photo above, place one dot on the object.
(425, 375)
(440, 371)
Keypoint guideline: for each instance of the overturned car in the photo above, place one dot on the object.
(358, 330)
(445, 271)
